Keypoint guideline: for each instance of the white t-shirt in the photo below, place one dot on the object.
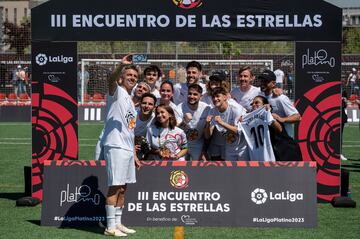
(282, 106)
(245, 98)
(279, 76)
(181, 92)
(156, 93)
(120, 121)
(232, 145)
(172, 139)
(195, 128)
(255, 127)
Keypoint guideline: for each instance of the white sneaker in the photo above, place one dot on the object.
(124, 229)
(342, 157)
(114, 232)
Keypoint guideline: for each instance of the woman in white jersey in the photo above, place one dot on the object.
(167, 141)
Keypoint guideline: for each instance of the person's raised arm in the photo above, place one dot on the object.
(116, 74)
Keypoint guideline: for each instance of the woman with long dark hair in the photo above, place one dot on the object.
(167, 141)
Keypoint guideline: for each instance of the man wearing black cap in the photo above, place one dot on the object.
(282, 108)
(217, 79)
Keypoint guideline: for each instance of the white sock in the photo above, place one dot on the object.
(110, 216)
(118, 214)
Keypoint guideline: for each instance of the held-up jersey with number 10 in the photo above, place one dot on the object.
(255, 127)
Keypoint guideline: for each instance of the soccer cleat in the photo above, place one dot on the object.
(124, 229)
(114, 232)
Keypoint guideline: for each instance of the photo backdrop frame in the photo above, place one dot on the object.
(314, 26)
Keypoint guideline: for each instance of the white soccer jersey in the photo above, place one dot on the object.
(282, 106)
(279, 76)
(173, 140)
(181, 92)
(255, 128)
(195, 128)
(232, 146)
(120, 121)
(245, 98)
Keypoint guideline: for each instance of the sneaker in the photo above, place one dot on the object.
(124, 229)
(342, 157)
(114, 232)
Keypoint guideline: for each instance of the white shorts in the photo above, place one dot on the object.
(120, 166)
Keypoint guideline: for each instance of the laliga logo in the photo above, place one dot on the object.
(179, 179)
(259, 196)
(41, 59)
(187, 4)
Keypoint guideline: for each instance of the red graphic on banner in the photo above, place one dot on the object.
(54, 127)
(319, 135)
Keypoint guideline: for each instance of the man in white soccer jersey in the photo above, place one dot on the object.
(194, 113)
(245, 92)
(283, 109)
(118, 141)
(193, 75)
(226, 143)
(144, 120)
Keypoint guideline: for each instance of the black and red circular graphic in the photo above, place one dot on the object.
(54, 130)
(318, 135)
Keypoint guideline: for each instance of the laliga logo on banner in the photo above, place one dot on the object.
(259, 196)
(41, 59)
(179, 179)
(187, 4)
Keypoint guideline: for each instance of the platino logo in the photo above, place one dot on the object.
(41, 59)
(319, 57)
(81, 193)
(187, 4)
(260, 196)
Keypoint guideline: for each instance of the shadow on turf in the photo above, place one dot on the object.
(94, 229)
(35, 222)
(12, 196)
